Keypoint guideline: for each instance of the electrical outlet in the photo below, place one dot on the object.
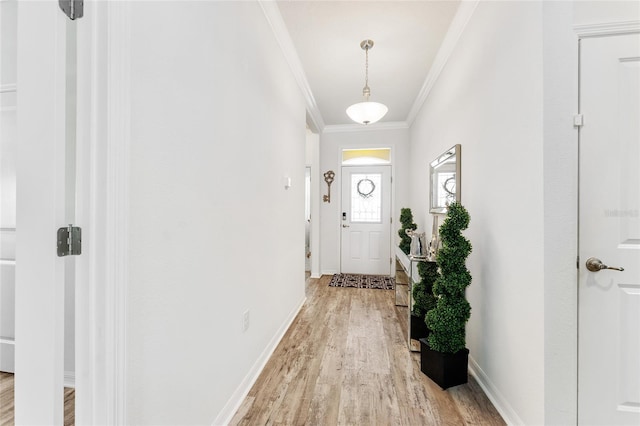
(245, 321)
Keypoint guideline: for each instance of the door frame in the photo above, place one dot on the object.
(104, 135)
(585, 32)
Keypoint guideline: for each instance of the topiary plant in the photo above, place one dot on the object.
(406, 220)
(448, 319)
(423, 297)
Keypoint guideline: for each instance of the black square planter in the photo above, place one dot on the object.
(419, 328)
(447, 370)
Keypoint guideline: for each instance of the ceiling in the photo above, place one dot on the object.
(326, 36)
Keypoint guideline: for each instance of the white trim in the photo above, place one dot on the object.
(7, 262)
(345, 128)
(7, 341)
(456, 28)
(231, 407)
(69, 379)
(607, 29)
(8, 108)
(274, 17)
(328, 272)
(8, 88)
(117, 221)
(497, 399)
(102, 210)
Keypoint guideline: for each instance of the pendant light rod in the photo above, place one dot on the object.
(366, 45)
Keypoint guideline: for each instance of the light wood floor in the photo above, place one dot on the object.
(344, 361)
(6, 402)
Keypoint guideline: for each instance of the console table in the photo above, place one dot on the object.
(406, 276)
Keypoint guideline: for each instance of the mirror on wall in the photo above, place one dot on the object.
(445, 180)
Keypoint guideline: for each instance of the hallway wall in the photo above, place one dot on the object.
(331, 145)
(218, 121)
(489, 99)
(508, 94)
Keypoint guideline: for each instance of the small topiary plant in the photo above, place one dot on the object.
(423, 297)
(406, 220)
(448, 319)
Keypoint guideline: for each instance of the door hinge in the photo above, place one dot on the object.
(578, 120)
(69, 241)
(74, 9)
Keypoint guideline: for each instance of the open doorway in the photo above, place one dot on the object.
(365, 243)
(312, 202)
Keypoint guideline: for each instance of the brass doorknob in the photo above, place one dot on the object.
(594, 265)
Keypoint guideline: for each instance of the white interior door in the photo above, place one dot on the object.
(366, 220)
(40, 211)
(8, 153)
(609, 300)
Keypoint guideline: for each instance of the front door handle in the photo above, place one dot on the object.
(345, 226)
(595, 265)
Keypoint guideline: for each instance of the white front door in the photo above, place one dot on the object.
(366, 220)
(609, 299)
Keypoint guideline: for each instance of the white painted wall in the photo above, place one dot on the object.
(217, 122)
(489, 99)
(560, 171)
(605, 11)
(331, 145)
(508, 94)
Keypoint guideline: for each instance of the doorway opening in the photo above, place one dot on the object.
(365, 228)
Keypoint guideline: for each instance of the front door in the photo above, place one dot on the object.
(609, 299)
(366, 220)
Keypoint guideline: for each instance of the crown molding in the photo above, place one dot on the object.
(456, 28)
(607, 29)
(274, 17)
(345, 128)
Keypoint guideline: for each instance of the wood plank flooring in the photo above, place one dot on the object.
(7, 406)
(344, 361)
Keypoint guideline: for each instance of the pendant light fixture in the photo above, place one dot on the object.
(366, 112)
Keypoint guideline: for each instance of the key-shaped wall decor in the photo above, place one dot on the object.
(328, 177)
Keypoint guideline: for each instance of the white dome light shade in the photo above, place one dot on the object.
(367, 112)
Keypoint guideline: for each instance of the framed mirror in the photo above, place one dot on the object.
(444, 180)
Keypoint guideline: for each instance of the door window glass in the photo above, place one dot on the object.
(366, 198)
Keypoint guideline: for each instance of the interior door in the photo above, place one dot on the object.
(40, 210)
(8, 152)
(609, 299)
(366, 220)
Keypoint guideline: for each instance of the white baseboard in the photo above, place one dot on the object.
(328, 272)
(69, 379)
(497, 399)
(230, 408)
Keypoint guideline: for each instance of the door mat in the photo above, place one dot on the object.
(362, 281)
